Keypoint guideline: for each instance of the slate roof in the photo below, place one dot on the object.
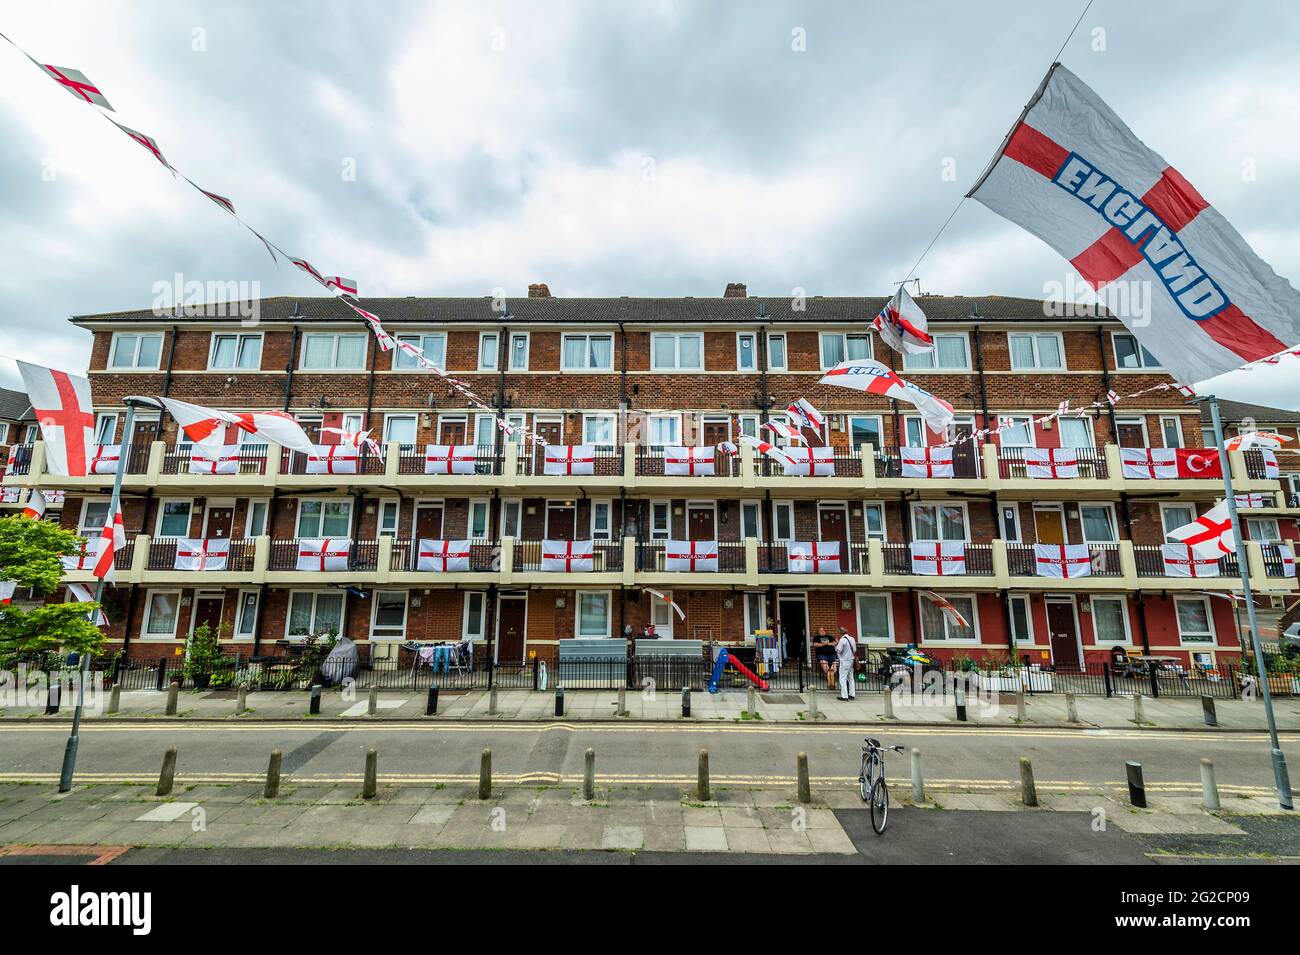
(1234, 411)
(14, 405)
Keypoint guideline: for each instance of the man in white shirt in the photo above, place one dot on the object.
(845, 648)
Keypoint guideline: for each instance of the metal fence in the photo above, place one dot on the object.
(651, 557)
(362, 555)
(1012, 463)
(608, 462)
(606, 556)
(251, 459)
(413, 460)
(650, 463)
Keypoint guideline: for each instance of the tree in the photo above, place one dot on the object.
(29, 556)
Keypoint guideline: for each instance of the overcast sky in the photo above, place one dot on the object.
(648, 148)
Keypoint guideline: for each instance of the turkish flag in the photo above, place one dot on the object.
(1198, 463)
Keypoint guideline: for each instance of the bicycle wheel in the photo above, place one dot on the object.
(879, 805)
(864, 780)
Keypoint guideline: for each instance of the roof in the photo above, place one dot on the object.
(676, 311)
(1234, 411)
(14, 405)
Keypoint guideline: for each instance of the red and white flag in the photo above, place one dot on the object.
(147, 142)
(866, 374)
(341, 286)
(813, 557)
(689, 461)
(36, 504)
(681, 614)
(1064, 561)
(1051, 462)
(902, 325)
(382, 338)
(569, 459)
(112, 539)
(81, 594)
(1148, 463)
(1286, 554)
(768, 450)
(1074, 175)
(1254, 500)
(952, 613)
(1271, 469)
(7, 588)
(86, 558)
(333, 459)
(222, 201)
(309, 269)
(1255, 439)
(76, 83)
(803, 413)
(61, 404)
(1181, 561)
(938, 558)
(443, 556)
(206, 427)
(224, 461)
(356, 439)
(568, 556)
(1198, 463)
(323, 553)
(928, 462)
(202, 554)
(104, 459)
(783, 430)
(691, 556)
(450, 458)
(809, 462)
(1211, 534)
(10, 495)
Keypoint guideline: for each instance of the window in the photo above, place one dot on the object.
(783, 520)
(593, 613)
(105, 428)
(749, 425)
(664, 429)
(255, 526)
(1194, 620)
(1020, 435)
(1075, 432)
(602, 517)
(162, 613)
(746, 351)
(677, 352)
(936, 626)
(751, 519)
(510, 512)
(516, 421)
(324, 518)
(874, 515)
(400, 428)
(246, 615)
(29, 434)
(1022, 623)
(485, 430)
(938, 522)
(487, 351)
(660, 518)
(338, 351)
(1262, 529)
(388, 615)
(1041, 350)
(478, 520)
(132, 350)
(1129, 354)
(1176, 515)
(389, 515)
(949, 354)
(837, 347)
(598, 429)
(864, 429)
(94, 514)
(235, 351)
(1009, 520)
(1171, 429)
(472, 627)
(174, 519)
(755, 612)
(352, 421)
(1098, 522)
(874, 619)
(776, 352)
(518, 360)
(1109, 620)
(434, 346)
(587, 353)
(313, 613)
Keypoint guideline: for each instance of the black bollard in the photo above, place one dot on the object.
(162, 675)
(686, 701)
(314, 709)
(559, 701)
(53, 691)
(1137, 790)
(431, 705)
(959, 697)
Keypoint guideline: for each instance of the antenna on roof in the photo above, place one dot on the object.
(916, 281)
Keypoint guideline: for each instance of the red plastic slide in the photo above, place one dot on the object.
(748, 674)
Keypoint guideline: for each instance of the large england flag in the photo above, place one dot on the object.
(569, 459)
(1142, 464)
(689, 461)
(869, 375)
(929, 462)
(691, 556)
(323, 553)
(450, 459)
(810, 462)
(1073, 174)
(209, 553)
(444, 556)
(561, 556)
(206, 427)
(61, 405)
(813, 557)
(1211, 534)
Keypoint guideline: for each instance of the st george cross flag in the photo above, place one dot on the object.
(783, 430)
(932, 462)
(1253, 500)
(323, 553)
(146, 141)
(938, 558)
(1271, 469)
(224, 461)
(570, 459)
(1181, 561)
(36, 504)
(768, 450)
(450, 458)
(1062, 560)
(813, 557)
(952, 613)
(382, 338)
(443, 556)
(61, 403)
(866, 374)
(803, 413)
(104, 458)
(202, 554)
(112, 539)
(76, 83)
(1211, 534)
(86, 558)
(1286, 554)
(681, 614)
(81, 594)
(1051, 462)
(1255, 439)
(902, 325)
(688, 461)
(356, 439)
(309, 269)
(568, 556)
(809, 462)
(1148, 463)
(1071, 173)
(10, 495)
(333, 459)
(206, 427)
(691, 556)
(341, 286)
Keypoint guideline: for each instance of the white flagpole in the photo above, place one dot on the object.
(1282, 781)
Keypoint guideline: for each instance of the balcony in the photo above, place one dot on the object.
(1013, 466)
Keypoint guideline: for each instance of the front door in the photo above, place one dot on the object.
(220, 521)
(551, 432)
(715, 432)
(428, 522)
(794, 624)
(699, 523)
(511, 615)
(1064, 635)
(207, 609)
(833, 526)
(1049, 526)
(561, 522)
(451, 431)
(1131, 435)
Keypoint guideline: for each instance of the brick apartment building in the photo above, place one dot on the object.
(631, 376)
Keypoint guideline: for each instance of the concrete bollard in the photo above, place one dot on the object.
(959, 697)
(805, 788)
(751, 702)
(589, 775)
(702, 789)
(1071, 710)
(372, 701)
(1021, 715)
(53, 695)
(492, 702)
(622, 701)
(241, 701)
(167, 775)
(1028, 792)
(559, 701)
(173, 692)
(889, 703)
(371, 784)
(1208, 713)
(431, 704)
(918, 784)
(314, 707)
(1137, 790)
(686, 701)
(1209, 786)
(485, 775)
(1138, 716)
(115, 699)
(813, 715)
(272, 788)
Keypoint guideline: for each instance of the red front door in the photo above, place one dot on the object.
(510, 630)
(1064, 635)
(833, 526)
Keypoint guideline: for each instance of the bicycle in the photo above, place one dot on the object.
(871, 782)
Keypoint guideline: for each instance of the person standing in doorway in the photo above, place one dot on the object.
(845, 650)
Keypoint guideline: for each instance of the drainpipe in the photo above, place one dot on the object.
(979, 368)
(1105, 383)
(130, 616)
(293, 358)
(1141, 601)
(167, 378)
(906, 520)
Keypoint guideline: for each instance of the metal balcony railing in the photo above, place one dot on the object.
(252, 459)
(978, 560)
(650, 557)
(162, 555)
(608, 461)
(607, 556)
(362, 555)
(484, 556)
(965, 464)
(487, 460)
(1012, 464)
(650, 463)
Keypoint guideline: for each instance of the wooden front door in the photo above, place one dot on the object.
(700, 524)
(1131, 435)
(207, 609)
(1049, 527)
(221, 521)
(552, 432)
(715, 432)
(561, 522)
(833, 526)
(428, 522)
(451, 432)
(1064, 636)
(511, 615)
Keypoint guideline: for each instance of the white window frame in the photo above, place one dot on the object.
(777, 508)
(867, 533)
(240, 338)
(666, 532)
(757, 505)
(334, 360)
(1142, 365)
(158, 518)
(938, 523)
(665, 416)
(587, 338)
(1253, 525)
(1032, 639)
(785, 351)
(518, 505)
(880, 428)
(676, 366)
(888, 640)
(108, 419)
(1177, 422)
(248, 516)
(415, 427)
(608, 504)
(483, 338)
(1033, 344)
(135, 365)
(744, 603)
(480, 420)
(316, 593)
(577, 614)
(382, 529)
(664, 631)
(465, 632)
(148, 614)
(910, 360)
(749, 425)
(1110, 519)
(947, 640)
(474, 504)
(1014, 508)
(1123, 605)
(844, 346)
(82, 529)
(246, 635)
(511, 338)
(611, 417)
(1090, 435)
(1165, 506)
(297, 520)
(753, 351)
(374, 614)
(1209, 622)
(420, 338)
(1016, 419)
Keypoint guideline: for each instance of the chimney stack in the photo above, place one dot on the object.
(539, 290)
(735, 290)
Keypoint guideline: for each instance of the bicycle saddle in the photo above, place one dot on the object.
(873, 742)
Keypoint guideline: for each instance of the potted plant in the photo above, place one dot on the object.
(203, 657)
